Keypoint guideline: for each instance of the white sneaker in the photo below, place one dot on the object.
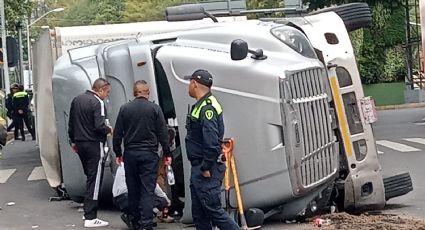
(95, 223)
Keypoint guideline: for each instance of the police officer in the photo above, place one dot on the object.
(205, 130)
(141, 124)
(21, 102)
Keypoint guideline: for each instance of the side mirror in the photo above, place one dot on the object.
(186, 12)
(238, 50)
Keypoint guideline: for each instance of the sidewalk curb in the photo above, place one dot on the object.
(401, 106)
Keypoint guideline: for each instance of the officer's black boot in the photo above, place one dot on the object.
(126, 219)
(135, 224)
(16, 132)
(22, 134)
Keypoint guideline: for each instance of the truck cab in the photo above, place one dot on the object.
(291, 96)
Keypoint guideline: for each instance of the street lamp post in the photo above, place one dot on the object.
(29, 42)
(3, 36)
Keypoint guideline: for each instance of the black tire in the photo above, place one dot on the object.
(254, 218)
(397, 185)
(354, 15)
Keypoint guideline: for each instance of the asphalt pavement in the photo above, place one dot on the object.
(23, 183)
(400, 136)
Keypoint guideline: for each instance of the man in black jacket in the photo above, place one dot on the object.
(142, 125)
(87, 133)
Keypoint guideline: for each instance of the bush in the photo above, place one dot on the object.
(395, 65)
(378, 49)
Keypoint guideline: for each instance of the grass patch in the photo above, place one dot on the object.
(386, 93)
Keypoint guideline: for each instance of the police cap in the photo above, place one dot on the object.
(14, 86)
(201, 76)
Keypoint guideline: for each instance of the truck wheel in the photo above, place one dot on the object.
(354, 15)
(397, 185)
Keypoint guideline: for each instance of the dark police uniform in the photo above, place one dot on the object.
(87, 129)
(142, 125)
(205, 130)
(20, 102)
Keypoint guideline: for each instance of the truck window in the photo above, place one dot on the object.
(344, 77)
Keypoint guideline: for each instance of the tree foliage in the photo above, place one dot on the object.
(89, 12)
(86, 12)
(378, 49)
(16, 11)
(148, 10)
(264, 4)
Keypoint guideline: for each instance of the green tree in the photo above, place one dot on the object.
(148, 10)
(91, 12)
(264, 4)
(85, 12)
(378, 48)
(16, 11)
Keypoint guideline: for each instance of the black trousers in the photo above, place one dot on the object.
(92, 156)
(19, 120)
(206, 200)
(141, 168)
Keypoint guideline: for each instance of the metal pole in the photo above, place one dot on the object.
(3, 40)
(29, 56)
(409, 77)
(21, 56)
(422, 17)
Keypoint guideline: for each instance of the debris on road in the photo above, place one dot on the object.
(34, 226)
(369, 221)
(10, 204)
(319, 222)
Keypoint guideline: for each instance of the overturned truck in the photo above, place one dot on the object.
(291, 95)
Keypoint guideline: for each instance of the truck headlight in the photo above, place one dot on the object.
(295, 39)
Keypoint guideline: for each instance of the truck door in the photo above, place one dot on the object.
(126, 63)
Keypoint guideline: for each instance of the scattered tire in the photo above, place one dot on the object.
(397, 185)
(354, 15)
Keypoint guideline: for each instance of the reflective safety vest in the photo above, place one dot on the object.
(20, 94)
(211, 100)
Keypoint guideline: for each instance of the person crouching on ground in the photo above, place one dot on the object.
(120, 198)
